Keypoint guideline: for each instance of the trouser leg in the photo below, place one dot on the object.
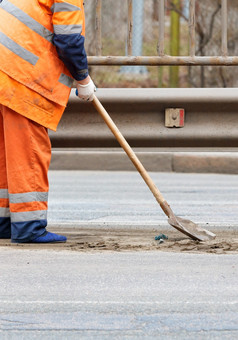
(5, 224)
(28, 153)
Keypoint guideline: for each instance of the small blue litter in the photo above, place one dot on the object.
(161, 237)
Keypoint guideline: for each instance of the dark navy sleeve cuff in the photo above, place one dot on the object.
(71, 51)
(81, 75)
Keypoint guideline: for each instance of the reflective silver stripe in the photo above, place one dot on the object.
(66, 80)
(27, 20)
(29, 197)
(3, 193)
(4, 212)
(64, 7)
(17, 49)
(68, 29)
(29, 216)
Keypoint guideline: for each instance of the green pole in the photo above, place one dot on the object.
(174, 43)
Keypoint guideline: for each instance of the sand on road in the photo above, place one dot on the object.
(90, 240)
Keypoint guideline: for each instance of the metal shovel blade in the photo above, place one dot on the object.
(186, 227)
(190, 229)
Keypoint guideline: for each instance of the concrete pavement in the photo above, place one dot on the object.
(68, 295)
(117, 199)
(60, 294)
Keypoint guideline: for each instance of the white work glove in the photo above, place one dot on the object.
(86, 92)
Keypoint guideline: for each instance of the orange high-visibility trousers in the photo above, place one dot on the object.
(25, 153)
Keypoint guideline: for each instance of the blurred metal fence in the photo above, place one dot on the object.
(105, 57)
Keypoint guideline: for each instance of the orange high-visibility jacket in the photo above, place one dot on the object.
(30, 59)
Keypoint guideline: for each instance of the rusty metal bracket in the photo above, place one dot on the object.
(174, 117)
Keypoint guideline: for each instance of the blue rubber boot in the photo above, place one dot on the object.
(48, 237)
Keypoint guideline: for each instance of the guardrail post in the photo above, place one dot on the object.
(98, 27)
(160, 47)
(192, 32)
(129, 27)
(224, 28)
(174, 42)
(161, 28)
(137, 35)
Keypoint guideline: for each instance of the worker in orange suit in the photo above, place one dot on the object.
(42, 53)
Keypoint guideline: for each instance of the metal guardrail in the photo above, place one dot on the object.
(161, 58)
(84, 142)
(210, 119)
(164, 60)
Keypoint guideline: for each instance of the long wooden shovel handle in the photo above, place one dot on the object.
(122, 141)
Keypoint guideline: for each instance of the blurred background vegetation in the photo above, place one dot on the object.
(208, 43)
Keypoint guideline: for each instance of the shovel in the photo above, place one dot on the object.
(186, 227)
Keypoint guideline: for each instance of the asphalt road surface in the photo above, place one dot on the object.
(65, 295)
(122, 199)
(60, 294)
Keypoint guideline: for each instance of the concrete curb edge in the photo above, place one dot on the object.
(155, 161)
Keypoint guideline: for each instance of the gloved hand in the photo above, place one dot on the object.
(85, 92)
